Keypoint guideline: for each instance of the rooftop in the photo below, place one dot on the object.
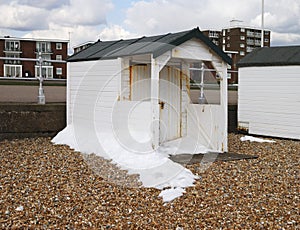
(32, 39)
(272, 56)
(155, 45)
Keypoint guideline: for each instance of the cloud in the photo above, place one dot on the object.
(22, 17)
(159, 16)
(87, 20)
(46, 4)
(281, 16)
(28, 15)
(89, 12)
(285, 38)
(115, 32)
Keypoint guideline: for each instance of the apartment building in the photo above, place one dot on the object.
(82, 46)
(237, 41)
(54, 50)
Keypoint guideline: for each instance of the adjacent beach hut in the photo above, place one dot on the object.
(269, 92)
(139, 91)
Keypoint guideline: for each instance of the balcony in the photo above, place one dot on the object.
(213, 35)
(257, 42)
(44, 51)
(250, 42)
(44, 64)
(12, 62)
(257, 35)
(249, 49)
(250, 34)
(13, 49)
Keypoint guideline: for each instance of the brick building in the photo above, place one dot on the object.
(237, 41)
(12, 47)
(83, 46)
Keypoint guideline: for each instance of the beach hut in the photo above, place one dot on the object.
(138, 91)
(269, 92)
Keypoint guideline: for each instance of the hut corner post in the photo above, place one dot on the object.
(224, 104)
(155, 102)
(157, 65)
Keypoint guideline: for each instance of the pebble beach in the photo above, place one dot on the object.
(47, 186)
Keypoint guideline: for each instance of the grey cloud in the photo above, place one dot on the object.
(46, 4)
(23, 18)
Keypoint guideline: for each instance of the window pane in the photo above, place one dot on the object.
(50, 73)
(58, 46)
(59, 71)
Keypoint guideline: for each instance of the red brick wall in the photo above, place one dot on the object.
(64, 53)
(28, 51)
(2, 46)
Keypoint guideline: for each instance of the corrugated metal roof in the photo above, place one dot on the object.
(155, 45)
(272, 56)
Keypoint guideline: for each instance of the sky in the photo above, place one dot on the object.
(89, 20)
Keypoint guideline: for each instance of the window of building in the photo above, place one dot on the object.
(228, 30)
(242, 37)
(228, 45)
(266, 32)
(12, 45)
(224, 33)
(47, 71)
(242, 45)
(12, 71)
(224, 41)
(266, 40)
(58, 71)
(59, 46)
(242, 53)
(242, 30)
(44, 47)
(59, 57)
(224, 48)
(228, 37)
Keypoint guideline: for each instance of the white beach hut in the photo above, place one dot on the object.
(140, 85)
(132, 96)
(269, 92)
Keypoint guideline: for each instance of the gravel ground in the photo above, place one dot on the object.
(44, 186)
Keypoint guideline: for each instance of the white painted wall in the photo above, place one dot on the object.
(93, 91)
(269, 100)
